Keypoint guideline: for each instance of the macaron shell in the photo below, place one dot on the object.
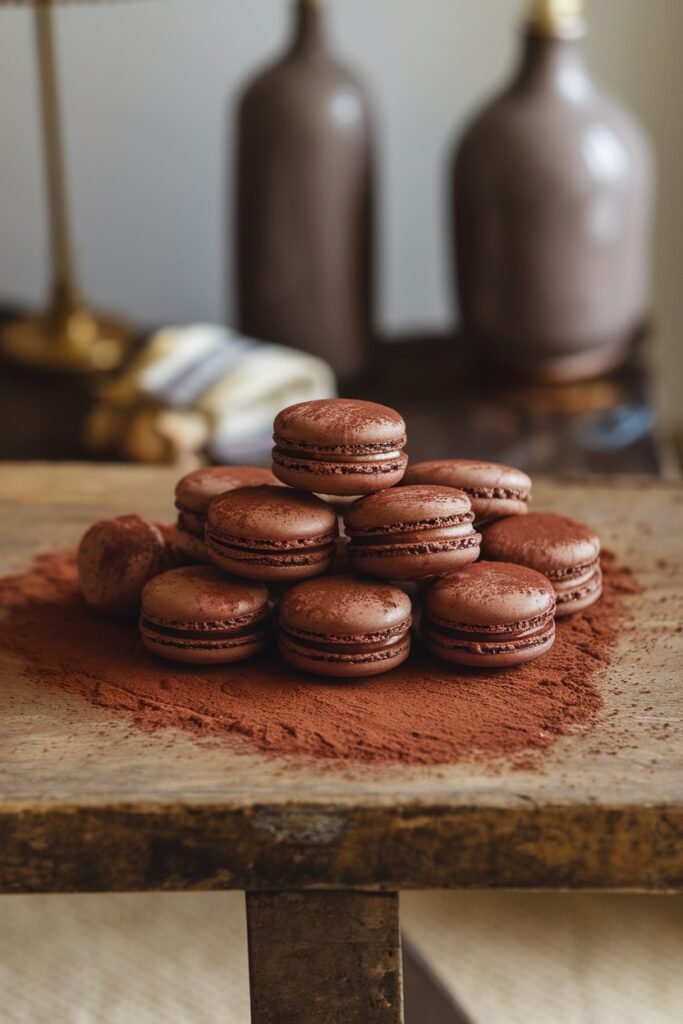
(116, 558)
(339, 422)
(574, 597)
(490, 595)
(510, 487)
(340, 479)
(345, 605)
(272, 515)
(195, 490)
(349, 666)
(484, 655)
(407, 508)
(541, 540)
(201, 594)
(466, 473)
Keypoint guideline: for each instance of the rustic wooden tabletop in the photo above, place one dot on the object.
(87, 803)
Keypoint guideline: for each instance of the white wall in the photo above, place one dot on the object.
(147, 92)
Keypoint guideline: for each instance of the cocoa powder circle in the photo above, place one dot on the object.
(423, 713)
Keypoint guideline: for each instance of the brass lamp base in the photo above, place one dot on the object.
(68, 337)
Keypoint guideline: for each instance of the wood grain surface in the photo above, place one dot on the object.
(87, 803)
(324, 958)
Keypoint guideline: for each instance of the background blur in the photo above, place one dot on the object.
(147, 95)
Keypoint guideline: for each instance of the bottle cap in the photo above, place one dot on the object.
(560, 19)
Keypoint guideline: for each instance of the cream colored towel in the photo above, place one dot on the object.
(203, 390)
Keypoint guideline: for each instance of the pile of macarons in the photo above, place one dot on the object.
(340, 550)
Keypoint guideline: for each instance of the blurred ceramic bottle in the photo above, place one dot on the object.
(553, 190)
(304, 222)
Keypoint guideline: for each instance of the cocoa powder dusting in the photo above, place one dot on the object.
(422, 713)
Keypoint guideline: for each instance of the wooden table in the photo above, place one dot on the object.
(87, 804)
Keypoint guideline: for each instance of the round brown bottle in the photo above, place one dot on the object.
(552, 189)
(303, 203)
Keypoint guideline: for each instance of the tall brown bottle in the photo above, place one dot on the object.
(552, 189)
(304, 203)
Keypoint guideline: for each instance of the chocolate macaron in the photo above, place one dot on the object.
(198, 615)
(494, 490)
(406, 533)
(563, 549)
(491, 614)
(344, 627)
(116, 558)
(339, 446)
(196, 490)
(271, 533)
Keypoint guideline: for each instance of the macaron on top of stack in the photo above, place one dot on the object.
(271, 533)
(490, 614)
(565, 550)
(346, 627)
(197, 614)
(116, 558)
(196, 490)
(407, 533)
(339, 446)
(495, 490)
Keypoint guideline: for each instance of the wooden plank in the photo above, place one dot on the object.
(89, 803)
(324, 958)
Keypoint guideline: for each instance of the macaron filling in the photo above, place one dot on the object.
(573, 572)
(495, 493)
(417, 542)
(510, 629)
(453, 531)
(393, 462)
(231, 629)
(350, 643)
(339, 452)
(356, 653)
(491, 640)
(593, 585)
(412, 526)
(191, 522)
(272, 552)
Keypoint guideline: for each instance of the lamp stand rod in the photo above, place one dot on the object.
(60, 244)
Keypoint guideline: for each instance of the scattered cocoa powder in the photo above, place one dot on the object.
(422, 713)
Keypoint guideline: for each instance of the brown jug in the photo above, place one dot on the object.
(552, 189)
(303, 203)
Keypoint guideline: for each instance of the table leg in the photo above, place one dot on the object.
(324, 958)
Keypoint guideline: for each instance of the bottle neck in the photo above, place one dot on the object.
(308, 36)
(553, 63)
